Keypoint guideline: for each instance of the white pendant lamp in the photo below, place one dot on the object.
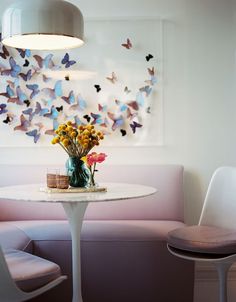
(42, 25)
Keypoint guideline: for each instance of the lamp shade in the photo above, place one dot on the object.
(42, 25)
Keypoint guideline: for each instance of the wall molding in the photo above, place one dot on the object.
(206, 285)
(205, 272)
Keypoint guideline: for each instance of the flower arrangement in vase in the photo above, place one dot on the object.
(77, 142)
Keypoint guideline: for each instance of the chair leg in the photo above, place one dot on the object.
(223, 268)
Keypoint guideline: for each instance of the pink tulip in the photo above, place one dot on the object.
(94, 157)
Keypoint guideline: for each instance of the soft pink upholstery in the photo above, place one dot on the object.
(166, 205)
(124, 253)
(121, 260)
(203, 239)
(30, 272)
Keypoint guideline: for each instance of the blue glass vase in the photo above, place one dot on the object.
(78, 172)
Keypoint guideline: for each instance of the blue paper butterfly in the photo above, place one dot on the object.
(24, 52)
(3, 108)
(53, 113)
(70, 99)
(35, 133)
(34, 88)
(54, 93)
(67, 62)
(117, 120)
(14, 70)
(39, 110)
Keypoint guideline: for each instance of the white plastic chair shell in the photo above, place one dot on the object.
(9, 292)
(219, 210)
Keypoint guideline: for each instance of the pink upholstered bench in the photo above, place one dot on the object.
(124, 253)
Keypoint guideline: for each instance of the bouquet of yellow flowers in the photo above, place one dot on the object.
(77, 142)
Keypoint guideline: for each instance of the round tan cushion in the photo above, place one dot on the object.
(203, 239)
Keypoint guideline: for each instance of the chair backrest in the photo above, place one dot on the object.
(219, 208)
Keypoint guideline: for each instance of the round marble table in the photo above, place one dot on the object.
(75, 205)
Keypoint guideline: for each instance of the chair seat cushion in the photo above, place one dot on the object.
(28, 271)
(203, 239)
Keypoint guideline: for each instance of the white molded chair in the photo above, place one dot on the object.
(214, 239)
(10, 292)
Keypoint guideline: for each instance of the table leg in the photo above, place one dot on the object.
(75, 214)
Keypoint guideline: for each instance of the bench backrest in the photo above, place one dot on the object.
(167, 204)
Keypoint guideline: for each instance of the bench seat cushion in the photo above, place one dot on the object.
(203, 239)
(112, 253)
(97, 230)
(30, 272)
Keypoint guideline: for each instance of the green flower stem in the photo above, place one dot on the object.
(92, 171)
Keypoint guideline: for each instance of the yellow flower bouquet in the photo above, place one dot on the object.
(77, 141)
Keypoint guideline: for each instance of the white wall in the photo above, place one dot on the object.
(199, 94)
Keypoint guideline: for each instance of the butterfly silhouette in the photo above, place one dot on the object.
(13, 71)
(39, 110)
(87, 117)
(80, 105)
(26, 76)
(8, 119)
(66, 61)
(126, 90)
(24, 52)
(146, 89)
(30, 112)
(46, 62)
(113, 78)
(55, 126)
(98, 88)
(59, 108)
(53, 114)
(35, 134)
(34, 88)
(27, 102)
(149, 57)
(128, 44)
(117, 121)
(20, 97)
(9, 92)
(24, 124)
(5, 53)
(123, 132)
(135, 125)
(55, 92)
(26, 64)
(70, 99)
(3, 108)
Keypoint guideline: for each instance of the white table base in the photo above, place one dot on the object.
(75, 214)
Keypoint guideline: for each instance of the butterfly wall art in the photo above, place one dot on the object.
(120, 99)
